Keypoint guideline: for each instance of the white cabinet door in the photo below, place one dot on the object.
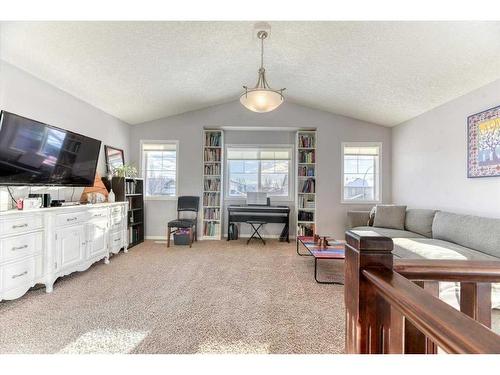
(70, 244)
(98, 238)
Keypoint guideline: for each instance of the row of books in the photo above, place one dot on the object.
(133, 235)
(307, 186)
(133, 204)
(212, 184)
(130, 187)
(211, 229)
(306, 201)
(213, 139)
(134, 216)
(305, 216)
(211, 213)
(307, 156)
(211, 199)
(212, 169)
(306, 141)
(306, 170)
(305, 230)
(212, 154)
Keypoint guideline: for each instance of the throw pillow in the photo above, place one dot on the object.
(390, 216)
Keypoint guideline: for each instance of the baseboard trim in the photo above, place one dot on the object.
(270, 237)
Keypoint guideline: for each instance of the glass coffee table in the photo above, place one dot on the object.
(335, 250)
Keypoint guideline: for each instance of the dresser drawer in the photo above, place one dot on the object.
(71, 218)
(116, 241)
(20, 246)
(14, 224)
(20, 273)
(117, 211)
(98, 213)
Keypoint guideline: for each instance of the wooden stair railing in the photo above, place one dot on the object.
(388, 313)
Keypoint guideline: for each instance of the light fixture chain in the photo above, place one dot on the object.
(262, 52)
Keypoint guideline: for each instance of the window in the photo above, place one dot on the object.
(361, 172)
(159, 168)
(258, 170)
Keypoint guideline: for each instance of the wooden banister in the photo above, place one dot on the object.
(447, 327)
(448, 270)
(388, 313)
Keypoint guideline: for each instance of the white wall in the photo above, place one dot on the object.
(430, 159)
(26, 95)
(332, 130)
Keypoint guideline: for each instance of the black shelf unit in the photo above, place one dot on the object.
(131, 190)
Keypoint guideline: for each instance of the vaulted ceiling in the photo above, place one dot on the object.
(382, 72)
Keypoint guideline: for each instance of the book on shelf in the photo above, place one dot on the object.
(212, 154)
(133, 235)
(307, 186)
(307, 156)
(307, 141)
(212, 169)
(211, 213)
(213, 139)
(305, 216)
(211, 229)
(212, 184)
(306, 171)
(305, 230)
(211, 199)
(306, 201)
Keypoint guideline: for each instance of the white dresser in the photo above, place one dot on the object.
(38, 246)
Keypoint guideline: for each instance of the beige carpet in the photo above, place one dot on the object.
(218, 297)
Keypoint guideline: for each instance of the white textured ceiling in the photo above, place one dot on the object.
(382, 72)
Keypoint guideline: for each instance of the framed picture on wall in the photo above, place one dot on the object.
(483, 144)
(114, 158)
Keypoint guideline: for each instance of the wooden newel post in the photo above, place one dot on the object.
(369, 325)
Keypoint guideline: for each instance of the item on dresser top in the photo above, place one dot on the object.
(44, 197)
(32, 203)
(111, 196)
(57, 202)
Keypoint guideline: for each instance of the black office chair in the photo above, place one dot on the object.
(256, 225)
(185, 204)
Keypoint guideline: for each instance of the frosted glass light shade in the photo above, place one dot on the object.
(261, 100)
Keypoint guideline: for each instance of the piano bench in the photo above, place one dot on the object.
(256, 225)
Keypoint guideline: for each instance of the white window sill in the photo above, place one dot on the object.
(365, 203)
(160, 198)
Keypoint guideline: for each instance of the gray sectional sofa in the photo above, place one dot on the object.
(432, 234)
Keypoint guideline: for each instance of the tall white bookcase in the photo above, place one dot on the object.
(213, 166)
(306, 175)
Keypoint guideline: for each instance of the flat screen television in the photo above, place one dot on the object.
(34, 153)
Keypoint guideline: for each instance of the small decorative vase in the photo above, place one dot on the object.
(111, 196)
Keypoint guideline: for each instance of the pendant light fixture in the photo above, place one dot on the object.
(262, 98)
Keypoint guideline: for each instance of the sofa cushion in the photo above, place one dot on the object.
(420, 221)
(391, 233)
(390, 216)
(478, 233)
(428, 248)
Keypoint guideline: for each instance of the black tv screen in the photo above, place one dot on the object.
(34, 153)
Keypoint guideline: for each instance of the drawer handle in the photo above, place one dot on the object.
(19, 247)
(19, 274)
(20, 226)
(97, 215)
(116, 239)
(71, 219)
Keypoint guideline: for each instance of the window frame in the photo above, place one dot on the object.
(143, 169)
(291, 177)
(378, 176)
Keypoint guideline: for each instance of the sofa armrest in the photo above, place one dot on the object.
(357, 219)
